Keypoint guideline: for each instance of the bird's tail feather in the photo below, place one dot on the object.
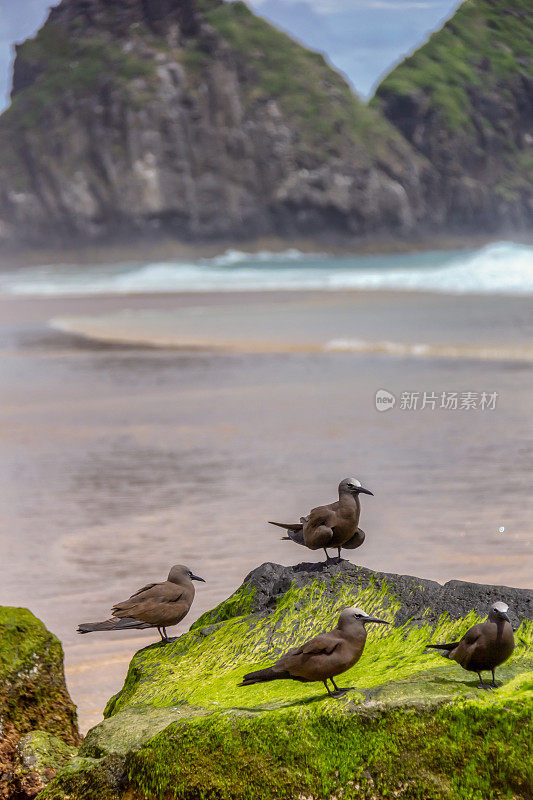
(289, 526)
(294, 530)
(262, 676)
(449, 646)
(127, 623)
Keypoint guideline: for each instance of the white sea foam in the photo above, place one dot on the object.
(232, 257)
(420, 350)
(503, 268)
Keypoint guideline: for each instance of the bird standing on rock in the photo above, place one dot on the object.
(324, 657)
(157, 605)
(485, 646)
(334, 525)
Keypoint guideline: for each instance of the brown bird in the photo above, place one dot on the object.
(485, 646)
(334, 525)
(322, 658)
(156, 605)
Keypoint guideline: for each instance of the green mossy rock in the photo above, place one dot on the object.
(32, 680)
(40, 756)
(38, 720)
(415, 725)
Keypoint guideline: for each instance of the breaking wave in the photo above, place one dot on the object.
(503, 268)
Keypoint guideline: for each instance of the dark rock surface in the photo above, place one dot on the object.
(416, 595)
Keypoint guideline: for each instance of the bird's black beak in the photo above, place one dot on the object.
(503, 615)
(360, 490)
(196, 578)
(375, 619)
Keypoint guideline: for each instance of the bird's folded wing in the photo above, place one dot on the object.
(356, 540)
(471, 636)
(322, 515)
(324, 643)
(144, 588)
(465, 649)
(157, 592)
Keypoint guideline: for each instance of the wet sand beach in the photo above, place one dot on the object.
(121, 459)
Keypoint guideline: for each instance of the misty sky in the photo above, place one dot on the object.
(363, 38)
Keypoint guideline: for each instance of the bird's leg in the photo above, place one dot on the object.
(330, 560)
(494, 684)
(162, 635)
(327, 688)
(482, 684)
(165, 634)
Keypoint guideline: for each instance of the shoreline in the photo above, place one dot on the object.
(107, 448)
(173, 249)
(358, 322)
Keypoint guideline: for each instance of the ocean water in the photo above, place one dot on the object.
(501, 268)
(120, 459)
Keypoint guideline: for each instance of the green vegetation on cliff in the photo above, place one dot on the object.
(63, 66)
(483, 46)
(306, 86)
(463, 100)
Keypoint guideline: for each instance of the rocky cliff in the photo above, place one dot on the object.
(465, 102)
(38, 724)
(194, 118)
(198, 120)
(416, 725)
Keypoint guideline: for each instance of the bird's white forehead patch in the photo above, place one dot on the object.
(499, 606)
(355, 482)
(356, 610)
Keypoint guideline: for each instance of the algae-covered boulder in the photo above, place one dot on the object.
(40, 756)
(416, 726)
(37, 717)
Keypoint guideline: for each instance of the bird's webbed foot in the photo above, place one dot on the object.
(339, 690)
(332, 559)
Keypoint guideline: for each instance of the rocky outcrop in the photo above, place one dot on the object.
(465, 102)
(198, 120)
(38, 724)
(416, 726)
(193, 118)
